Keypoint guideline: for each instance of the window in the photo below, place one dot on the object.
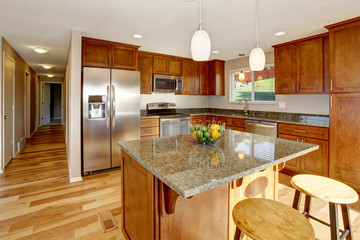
(253, 86)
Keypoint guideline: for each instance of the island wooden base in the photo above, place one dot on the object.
(151, 210)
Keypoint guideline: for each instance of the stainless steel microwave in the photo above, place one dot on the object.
(167, 84)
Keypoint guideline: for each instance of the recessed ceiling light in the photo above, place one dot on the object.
(215, 51)
(280, 33)
(137, 36)
(40, 50)
(50, 75)
(46, 66)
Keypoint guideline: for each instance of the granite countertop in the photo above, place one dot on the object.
(302, 120)
(190, 168)
(279, 117)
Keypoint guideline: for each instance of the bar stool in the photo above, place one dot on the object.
(271, 220)
(330, 190)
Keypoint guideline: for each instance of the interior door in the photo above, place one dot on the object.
(46, 103)
(8, 138)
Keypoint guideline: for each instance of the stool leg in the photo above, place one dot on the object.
(297, 199)
(347, 223)
(334, 224)
(238, 234)
(307, 206)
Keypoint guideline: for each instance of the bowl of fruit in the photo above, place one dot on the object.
(207, 133)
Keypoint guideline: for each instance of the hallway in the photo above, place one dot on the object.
(38, 202)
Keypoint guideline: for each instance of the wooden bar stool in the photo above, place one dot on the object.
(271, 220)
(328, 190)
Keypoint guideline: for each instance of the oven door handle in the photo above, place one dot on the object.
(174, 119)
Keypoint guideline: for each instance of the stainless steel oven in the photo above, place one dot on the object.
(167, 84)
(174, 126)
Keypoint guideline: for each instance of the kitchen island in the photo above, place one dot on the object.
(174, 188)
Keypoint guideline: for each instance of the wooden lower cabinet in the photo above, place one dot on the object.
(149, 127)
(153, 211)
(345, 138)
(316, 162)
(199, 119)
(236, 128)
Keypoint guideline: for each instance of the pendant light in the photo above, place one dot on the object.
(241, 74)
(200, 43)
(257, 55)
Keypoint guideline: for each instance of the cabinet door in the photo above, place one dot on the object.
(175, 66)
(190, 80)
(316, 162)
(293, 165)
(95, 54)
(310, 66)
(345, 58)
(124, 57)
(161, 64)
(285, 69)
(237, 128)
(202, 75)
(345, 138)
(145, 66)
(215, 78)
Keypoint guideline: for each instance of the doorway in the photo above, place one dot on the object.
(52, 103)
(27, 108)
(8, 109)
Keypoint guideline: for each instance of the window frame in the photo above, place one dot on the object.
(232, 89)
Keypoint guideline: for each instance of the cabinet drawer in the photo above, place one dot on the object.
(225, 120)
(238, 122)
(149, 131)
(149, 136)
(149, 122)
(304, 131)
(236, 128)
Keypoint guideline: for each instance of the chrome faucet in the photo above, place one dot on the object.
(246, 108)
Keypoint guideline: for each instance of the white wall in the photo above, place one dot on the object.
(181, 101)
(1, 108)
(73, 95)
(304, 103)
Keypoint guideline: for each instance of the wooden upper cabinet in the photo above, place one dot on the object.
(190, 79)
(175, 66)
(100, 53)
(202, 76)
(161, 64)
(310, 66)
(299, 66)
(145, 66)
(96, 54)
(124, 57)
(285, 69)
(216, 78)
(167, 65)
(344, 44)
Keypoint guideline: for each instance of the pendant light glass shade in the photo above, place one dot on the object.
(200, 46)
(242, 76)
(200, 43)
(257, 59)
(257, 55)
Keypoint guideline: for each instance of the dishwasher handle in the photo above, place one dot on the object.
(258, 124)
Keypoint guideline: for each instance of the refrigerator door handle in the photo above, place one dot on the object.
(108, 106)
(113, 106)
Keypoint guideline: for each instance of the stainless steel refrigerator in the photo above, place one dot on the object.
(111, 113)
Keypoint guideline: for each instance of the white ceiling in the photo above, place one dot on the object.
(167, 25)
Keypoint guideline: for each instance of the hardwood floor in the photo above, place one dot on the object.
(38, 202)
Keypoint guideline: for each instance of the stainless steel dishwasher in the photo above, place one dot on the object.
(262, 127)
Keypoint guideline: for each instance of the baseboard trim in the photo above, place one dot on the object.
(33, 133)
(76, 179)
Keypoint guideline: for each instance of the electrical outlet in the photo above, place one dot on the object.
(282, 105)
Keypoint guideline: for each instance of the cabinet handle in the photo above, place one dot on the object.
(302, 140)
(330, 101)
(302, 131)
(113, 61)
(109, 61)
(331, 83)
(293, 87)
(297, 139)
(297, 87)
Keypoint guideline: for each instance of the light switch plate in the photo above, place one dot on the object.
(282, 105)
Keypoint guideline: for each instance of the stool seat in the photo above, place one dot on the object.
(271, 220)
(324, 188)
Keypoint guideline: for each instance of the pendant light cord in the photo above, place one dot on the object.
(256, 22)
(200, 26)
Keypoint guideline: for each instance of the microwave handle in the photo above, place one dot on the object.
(176, 85)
